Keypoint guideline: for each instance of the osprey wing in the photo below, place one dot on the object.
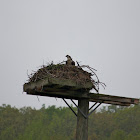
(73, 63)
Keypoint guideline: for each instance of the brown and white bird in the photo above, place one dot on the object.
(69, 61)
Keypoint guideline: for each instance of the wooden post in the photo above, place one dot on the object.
(82, 122)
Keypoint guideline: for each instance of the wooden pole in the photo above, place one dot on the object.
(82, 122)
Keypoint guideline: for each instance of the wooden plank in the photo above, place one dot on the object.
(70, 90)
(82, 122)
(108, 99)
(113, 103)
(59, 94)
(57, 83)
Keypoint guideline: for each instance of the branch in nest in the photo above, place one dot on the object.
(97, 83)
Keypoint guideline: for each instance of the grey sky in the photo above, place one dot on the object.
(104, 34)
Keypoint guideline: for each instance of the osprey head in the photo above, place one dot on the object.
(68, 56)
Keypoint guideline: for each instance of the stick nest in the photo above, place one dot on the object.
(70, 72)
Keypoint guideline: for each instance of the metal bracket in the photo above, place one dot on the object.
(94, 108)
(85, 116)
(79, 109)
(70, 107)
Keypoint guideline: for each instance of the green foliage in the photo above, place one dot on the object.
(117, 135)
(110, 123)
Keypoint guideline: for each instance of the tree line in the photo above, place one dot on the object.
(52, 123)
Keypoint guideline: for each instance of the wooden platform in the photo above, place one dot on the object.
(52, 83)
(63, 88)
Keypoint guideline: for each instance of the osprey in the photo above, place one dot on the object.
(69, 61)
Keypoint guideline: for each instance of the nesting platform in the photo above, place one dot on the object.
(69, 89)
(71, 82)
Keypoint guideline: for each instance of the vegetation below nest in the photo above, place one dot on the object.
(110, 123)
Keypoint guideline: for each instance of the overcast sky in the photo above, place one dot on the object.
(104, 34)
